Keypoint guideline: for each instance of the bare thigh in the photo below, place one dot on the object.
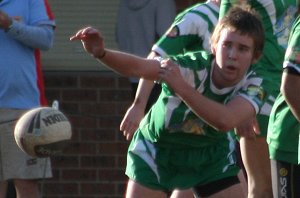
(135, 190)
(182, 194)
(3, 189)
(27, 188)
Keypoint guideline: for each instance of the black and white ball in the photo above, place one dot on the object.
(43, 132)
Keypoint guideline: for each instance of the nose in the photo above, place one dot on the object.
(232, 53)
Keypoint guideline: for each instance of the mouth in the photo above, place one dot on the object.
(230, 65)
(231, 68)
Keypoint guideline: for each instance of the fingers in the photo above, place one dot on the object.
(128, 128)
(167, 63)
(78, 36)
(84, 33)
(168, 70)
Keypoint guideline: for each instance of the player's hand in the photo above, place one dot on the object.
(5, 20)
(170, 74)
(131, 120)
(92, 41)
(249, 129)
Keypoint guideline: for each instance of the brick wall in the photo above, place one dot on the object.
(182, 4)
(94, 162)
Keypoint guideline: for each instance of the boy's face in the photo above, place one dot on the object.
(234, 54)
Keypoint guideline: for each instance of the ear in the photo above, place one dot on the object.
(213, 49)
(254, 60)
(256, 57)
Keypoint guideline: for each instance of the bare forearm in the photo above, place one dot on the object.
(130, 65)
(144, 88)
(143, 92)
(220, 116)
(289, 88)
(123, 63)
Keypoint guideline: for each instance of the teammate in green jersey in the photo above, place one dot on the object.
(277, 17)
(183, 142)
(191, 31)
(284, 125)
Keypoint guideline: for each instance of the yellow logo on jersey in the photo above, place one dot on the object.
(193, 126)
(253, 90)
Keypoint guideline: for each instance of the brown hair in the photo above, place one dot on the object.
(245, 21)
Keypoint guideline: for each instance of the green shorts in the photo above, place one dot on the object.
(168, 168)
(281, 155)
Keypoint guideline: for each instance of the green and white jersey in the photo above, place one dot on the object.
(191, 30)
(170, 122)
(277, 17)
(283, 131)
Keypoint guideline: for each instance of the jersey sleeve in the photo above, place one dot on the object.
(252, 91)
(190, 32)
(40, 13)
(292, 55)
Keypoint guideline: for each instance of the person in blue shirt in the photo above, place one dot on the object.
(26, 27)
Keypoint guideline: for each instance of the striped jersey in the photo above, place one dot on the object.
(191, 30)
(170, 122)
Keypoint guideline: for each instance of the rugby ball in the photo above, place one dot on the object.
(43, 132)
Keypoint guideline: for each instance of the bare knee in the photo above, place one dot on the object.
(27, 188)
(260, 186)
(3, 189)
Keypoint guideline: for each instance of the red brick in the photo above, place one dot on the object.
(98, 161)
(79, 175)
(114, 148)
(98, 188)
(112, 175)
(60, 188)
(65, 161)
(79, 95)
(98, 81)
(98, 135)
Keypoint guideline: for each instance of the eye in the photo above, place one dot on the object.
(244, 48)
(227, 44)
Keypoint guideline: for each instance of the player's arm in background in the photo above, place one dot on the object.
(136, 111)
(290, 79)
(134, 114)
(289, 87)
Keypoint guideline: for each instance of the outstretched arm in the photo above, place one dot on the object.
(123, 63)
